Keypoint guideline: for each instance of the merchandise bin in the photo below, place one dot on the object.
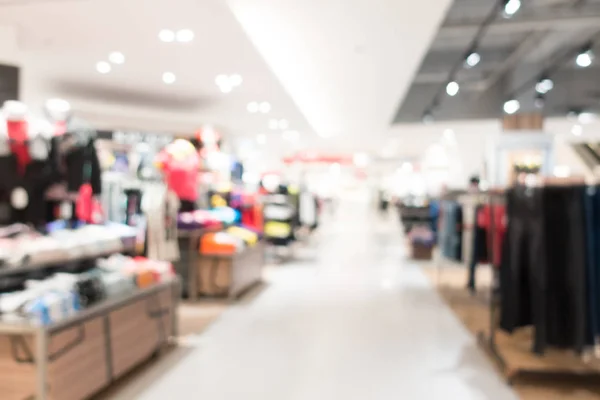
(75, 358)
(229, 275)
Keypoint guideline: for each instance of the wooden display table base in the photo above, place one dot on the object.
(76, 358)
(227, 276)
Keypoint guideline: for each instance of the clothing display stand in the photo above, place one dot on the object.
(440, 258)
(488, 340)
(229, 275)
(78, 356)
(189, 244)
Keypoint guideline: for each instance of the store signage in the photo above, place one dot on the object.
(313, 157)
(135, 137)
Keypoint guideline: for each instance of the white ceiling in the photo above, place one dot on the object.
(346, 63)
(329, 67)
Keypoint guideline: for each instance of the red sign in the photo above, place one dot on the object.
(314, 157)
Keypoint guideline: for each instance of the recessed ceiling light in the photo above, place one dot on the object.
(452, 88)
(586, 117)
(544, 85)
(511, 7)
(116, 57)
(184, 35)
(169, 78)
(512, 106)
(226, 88)
(584, 59)
(103, 67)
(577, 130)
(472, 59)
(235, 80)
(166, 35)
(273, 124)
(252, 107)
(265, 107)
(283, 124)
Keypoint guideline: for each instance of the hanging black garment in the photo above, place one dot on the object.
(77, 159)
(566, 270)
(543, 273)
(479, 250)
(34, 179)
(459, 233)
(592, 224)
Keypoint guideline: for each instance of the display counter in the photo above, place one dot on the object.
(229, 275)
(81, 355)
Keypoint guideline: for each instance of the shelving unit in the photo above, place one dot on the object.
(79, 356)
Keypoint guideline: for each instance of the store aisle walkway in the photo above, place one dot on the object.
(349, 320)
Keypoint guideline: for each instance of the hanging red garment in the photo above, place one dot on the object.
(18, 136)
(84, 204)
(181, 175)
(495, 236)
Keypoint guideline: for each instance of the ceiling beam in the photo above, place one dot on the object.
(568, 21)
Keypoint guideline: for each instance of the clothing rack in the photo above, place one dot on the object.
(487, 340)
(452, 195)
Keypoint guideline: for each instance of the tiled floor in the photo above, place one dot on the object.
(350, 318)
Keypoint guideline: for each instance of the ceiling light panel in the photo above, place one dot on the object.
(184, 35)
(166, 35)
(452, 88)
(103, 67)
(116, 57)
(169, 78)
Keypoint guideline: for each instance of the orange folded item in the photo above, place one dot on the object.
(210, 244)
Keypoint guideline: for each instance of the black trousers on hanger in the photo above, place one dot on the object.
(566, 273)
(522, 255)
(543, 274)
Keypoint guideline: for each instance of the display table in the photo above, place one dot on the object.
(189, 245)
(79, 356)
(229, 275)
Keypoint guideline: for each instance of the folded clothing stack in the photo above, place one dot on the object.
(249, 237)
(63, 294)
(422, 235)
(221, 243)
(27, 247)
(199, 219)
(213, 218)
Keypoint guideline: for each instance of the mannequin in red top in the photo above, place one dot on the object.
(179, 162)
